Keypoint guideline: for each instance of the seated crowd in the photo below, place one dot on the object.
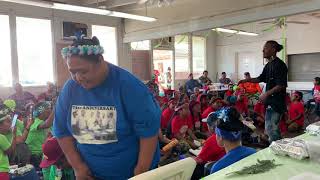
(193, 117)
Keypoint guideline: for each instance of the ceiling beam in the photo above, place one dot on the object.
(110, 3)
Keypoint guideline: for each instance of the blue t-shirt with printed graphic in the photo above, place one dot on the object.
(231, 157)
(108, 122)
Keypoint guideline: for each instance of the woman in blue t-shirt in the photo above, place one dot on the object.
(228, 134)
(106, 120)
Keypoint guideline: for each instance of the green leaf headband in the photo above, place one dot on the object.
(81, 50)
(4, 113)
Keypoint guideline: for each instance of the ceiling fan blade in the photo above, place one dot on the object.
(297, 22)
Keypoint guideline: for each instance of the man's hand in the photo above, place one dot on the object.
(241, 81)
(263, 97)
(82, 172)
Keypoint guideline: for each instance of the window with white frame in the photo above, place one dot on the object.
(34, 44)
(181, 57)
(198, 55)
(5, 46)
(107, 38)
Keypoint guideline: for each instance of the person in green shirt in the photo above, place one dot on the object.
(6, 147)
(54, 159)
(43, 118)
(22, 153)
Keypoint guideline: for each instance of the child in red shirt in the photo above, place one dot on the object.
(259, 113)
(242, 105)
(210, 151)
(167, 114)
(181, 127)
(203, 99)
(229, 92)
(295, 121)
(215, 103)
(195, 120)
(316, 96)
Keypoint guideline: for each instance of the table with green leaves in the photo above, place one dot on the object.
(286, 168)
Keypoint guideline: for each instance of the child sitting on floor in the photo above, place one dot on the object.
(195, 120)
(210, 151)
(228, 133)
(295, 121)
(167, 114)
(203, 100)
(181, 128)
(316, 95)
(54, 159)
(215, 104)
(6, 147)
(43, 120)
(242, 104)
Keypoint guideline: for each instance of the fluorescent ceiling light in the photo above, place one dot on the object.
(235, 32)
(31, 3)
(132, 16)
(226, 30)
(247, 33)
(68, 7)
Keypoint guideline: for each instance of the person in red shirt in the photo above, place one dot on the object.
(242, 105)
(259, 113)
(181, 128)
(295, 121)
(195, 120)
(167, 114)
(229, 92)
(215, 103)
(210, 151)
(203, 99)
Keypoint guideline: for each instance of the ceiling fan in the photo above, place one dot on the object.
(282, 22)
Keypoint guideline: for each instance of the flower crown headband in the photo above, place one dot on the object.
(81, 50)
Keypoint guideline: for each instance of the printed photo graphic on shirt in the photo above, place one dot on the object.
(94, 124)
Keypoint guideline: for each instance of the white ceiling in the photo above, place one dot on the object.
(108, 4)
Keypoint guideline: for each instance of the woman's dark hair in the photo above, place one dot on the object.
(278, 47)
(223, 73)
(233, 123)
(247, 74)
(300, 94)
(90, 42)
(317, 79)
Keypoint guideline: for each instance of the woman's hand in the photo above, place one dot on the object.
(82, 172)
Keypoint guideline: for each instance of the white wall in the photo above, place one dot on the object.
(300, 39)
(57, 17)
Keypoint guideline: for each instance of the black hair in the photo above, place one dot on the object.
(90, 42)
(223, 73)
(278, 47)
(205, 71)
(233, 123)
(300, 94)
(317, 79)
(247, 74)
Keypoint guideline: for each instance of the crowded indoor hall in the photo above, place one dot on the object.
(159, 90)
